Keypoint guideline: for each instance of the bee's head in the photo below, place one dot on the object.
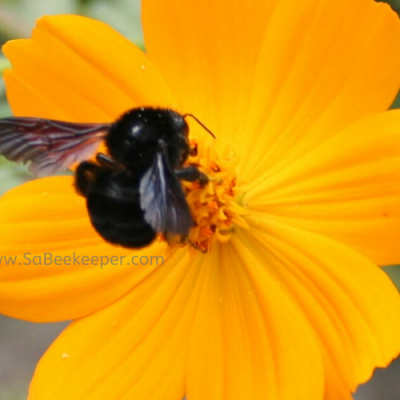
(134, 138)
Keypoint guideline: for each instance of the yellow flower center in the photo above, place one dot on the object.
(214, 206)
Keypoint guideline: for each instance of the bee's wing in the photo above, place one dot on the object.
(50, 145)
(162, 199)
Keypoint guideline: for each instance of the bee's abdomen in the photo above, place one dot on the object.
(113, 202)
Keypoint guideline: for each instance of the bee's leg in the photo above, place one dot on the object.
(85, 175)
(192, 174)
(107, 162)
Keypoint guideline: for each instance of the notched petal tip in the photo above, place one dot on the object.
(351, 304)
(114, 74)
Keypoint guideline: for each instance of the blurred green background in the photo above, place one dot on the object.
(22, 343)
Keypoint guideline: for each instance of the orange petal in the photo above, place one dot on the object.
(352, 305)
(77, 69)
(51, 258)
(271, 78)
(133, 349)
(347, 189)
(207, 52)
(322, 65)
(249, 341)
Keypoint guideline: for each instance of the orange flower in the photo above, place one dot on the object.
(287, 303)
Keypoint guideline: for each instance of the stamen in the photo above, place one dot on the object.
(213, 206)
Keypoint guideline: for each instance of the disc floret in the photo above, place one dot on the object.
(214, 206)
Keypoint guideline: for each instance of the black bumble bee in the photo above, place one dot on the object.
(132, 193)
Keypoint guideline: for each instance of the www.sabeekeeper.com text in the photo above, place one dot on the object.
(76, 260)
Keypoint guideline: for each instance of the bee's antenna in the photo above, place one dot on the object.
(200, 123)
